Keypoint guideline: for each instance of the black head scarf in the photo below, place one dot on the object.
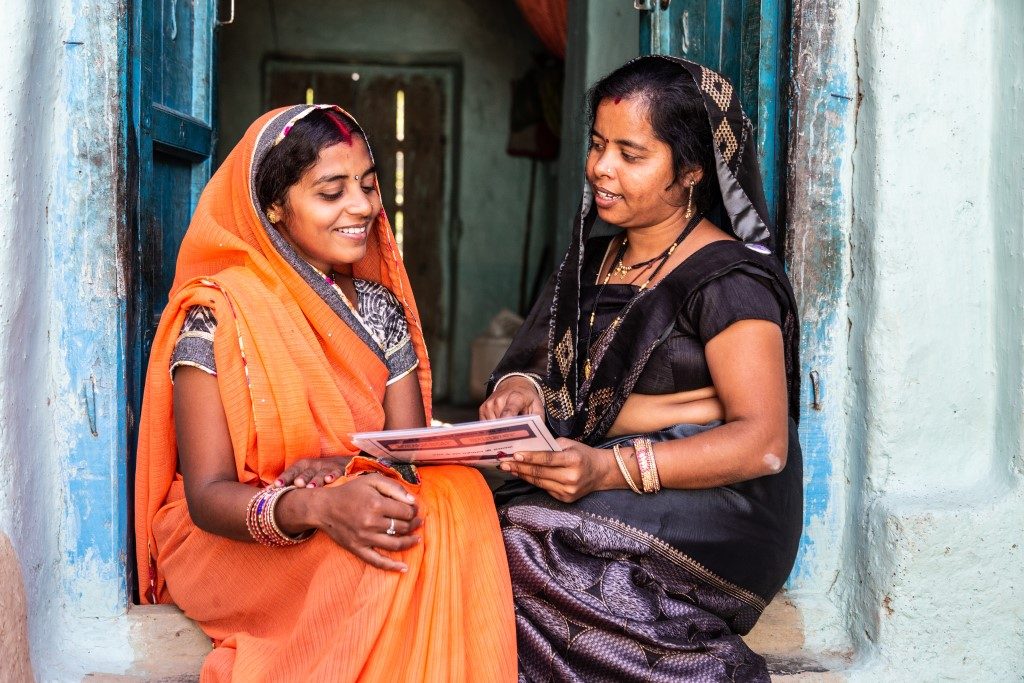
(585, 409)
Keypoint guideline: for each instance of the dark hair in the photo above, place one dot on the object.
(676, 112)
(298, 152)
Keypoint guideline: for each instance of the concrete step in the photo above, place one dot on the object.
(169, 647)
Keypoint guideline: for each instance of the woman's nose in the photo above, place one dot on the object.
(360, 204)
(603, 168)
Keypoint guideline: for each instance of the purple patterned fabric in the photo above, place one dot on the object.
(596, 601)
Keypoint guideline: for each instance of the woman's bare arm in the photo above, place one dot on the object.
(216, 500)
(748, 369)
(403, 403)
(355, 514)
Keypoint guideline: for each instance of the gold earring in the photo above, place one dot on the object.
(273, 216)
(689, 203)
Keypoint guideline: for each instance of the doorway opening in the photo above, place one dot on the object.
(430, 81)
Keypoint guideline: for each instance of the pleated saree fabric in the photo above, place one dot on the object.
(296, 381)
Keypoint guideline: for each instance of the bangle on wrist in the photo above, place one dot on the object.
(643, 448)
(528, 376)
(626, 472)
(261, 521)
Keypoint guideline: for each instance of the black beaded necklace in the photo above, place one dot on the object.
(662, 259)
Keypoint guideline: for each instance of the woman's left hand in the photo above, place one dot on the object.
(312, 472)
(567, 475)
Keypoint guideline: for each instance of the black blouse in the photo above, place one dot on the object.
(679, 363)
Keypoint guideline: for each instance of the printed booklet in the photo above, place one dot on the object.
(476, 444)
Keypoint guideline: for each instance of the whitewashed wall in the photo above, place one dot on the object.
(937, 576)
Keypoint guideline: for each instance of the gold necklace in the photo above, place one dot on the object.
(663, 257)
(622, 270)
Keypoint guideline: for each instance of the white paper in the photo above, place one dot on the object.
(476, 444)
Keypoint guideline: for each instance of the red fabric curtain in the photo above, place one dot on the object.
(547, 18)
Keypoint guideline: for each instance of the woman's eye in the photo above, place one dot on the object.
(370, 189)
(630, 158)
(594, 144)
(330, 197)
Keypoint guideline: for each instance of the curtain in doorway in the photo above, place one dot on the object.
(547, 18)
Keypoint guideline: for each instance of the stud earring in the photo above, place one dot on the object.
(273, 216)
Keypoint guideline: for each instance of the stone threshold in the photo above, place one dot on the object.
(169, 647)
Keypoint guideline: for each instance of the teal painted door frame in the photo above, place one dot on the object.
(171, 136)
(747, 40)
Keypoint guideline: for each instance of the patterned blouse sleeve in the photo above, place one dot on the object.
(195, 341)
(382, 309)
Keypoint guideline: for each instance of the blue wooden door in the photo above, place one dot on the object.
(172, 86)
(744, 40)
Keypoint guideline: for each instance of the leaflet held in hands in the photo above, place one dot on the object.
(476, 444)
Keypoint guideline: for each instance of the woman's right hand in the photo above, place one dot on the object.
(357, 514)
(514, 396)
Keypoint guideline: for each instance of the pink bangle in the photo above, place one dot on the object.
(649, 478)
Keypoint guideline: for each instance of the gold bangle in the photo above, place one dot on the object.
(282, 537)
(654, 466)
(625, 472)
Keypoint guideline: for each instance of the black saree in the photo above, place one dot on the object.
(658, 587)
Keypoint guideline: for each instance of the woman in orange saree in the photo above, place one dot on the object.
(290, 326)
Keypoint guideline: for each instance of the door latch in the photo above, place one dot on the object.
(816, 390)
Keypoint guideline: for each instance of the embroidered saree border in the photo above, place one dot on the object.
(664, 550)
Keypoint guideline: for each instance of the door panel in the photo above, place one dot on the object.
(172, 80)
(740, 38)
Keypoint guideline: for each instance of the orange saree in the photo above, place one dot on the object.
(296, 382)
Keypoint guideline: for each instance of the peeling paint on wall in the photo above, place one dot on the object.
(62, 444)
(819, 209)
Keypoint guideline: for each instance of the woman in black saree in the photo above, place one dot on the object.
(665, 357)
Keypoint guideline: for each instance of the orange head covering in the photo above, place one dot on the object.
(295, 380)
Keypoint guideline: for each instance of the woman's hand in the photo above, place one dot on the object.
(567, 475)
(358, 514)
(312, 472)
(514, 396)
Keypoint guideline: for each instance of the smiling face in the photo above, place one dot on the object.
(630, 170)
(328, 213)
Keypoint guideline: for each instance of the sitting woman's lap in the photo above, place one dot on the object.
(319, 598)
